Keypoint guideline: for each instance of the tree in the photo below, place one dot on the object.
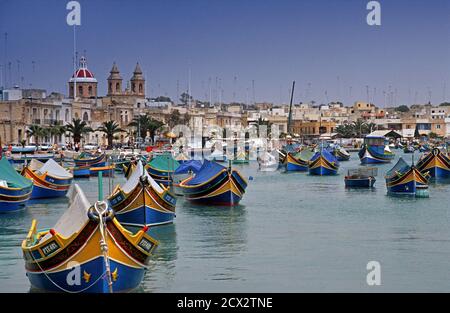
(444, 104)
(185, 98)
(433, 135)
(56, 131)
(35, 131)
(345, 130)
(162, 99)
(145, 124)
(358, 127)
(78, 128)
(369, 127)
(174, 118)
(402, 108)
(110, 128)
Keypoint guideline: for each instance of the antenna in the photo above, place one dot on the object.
(290, 109)
(6, 58)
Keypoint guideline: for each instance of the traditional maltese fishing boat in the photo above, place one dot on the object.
(161, 168)
(215, 184)
(142, 202)
(341, 154)
(85, 162)
(15, 190)
(436, 163)
(86, 251)
(184, 171)
(374, 151)
(50, 180)
(406, 180)
(323, 163)
(298, 162)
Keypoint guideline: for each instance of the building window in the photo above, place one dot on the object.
(438, 126)
(85, 117)
(80, 90)
(141, 89)
(117, 87)
(110, 87)
(90, 90)
(66, 117)
(133, 87)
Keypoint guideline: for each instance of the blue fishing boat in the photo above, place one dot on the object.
(85, 162)
(184, 171)
(15, 190)
(88, 250)
(50, 180)
(323, 163)
(341, 154)
(298, 162)
(214, 184)
(406, 180)
(360, 177)
(161, 168)
(141, 201)
(375, 150)
(435, 163)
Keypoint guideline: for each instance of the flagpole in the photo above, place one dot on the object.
(74, 64)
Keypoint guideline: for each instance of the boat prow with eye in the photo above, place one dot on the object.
(436, 163)
(406, 180)
(141, 201)
(86, 251)
(323, 163)
(215, 184)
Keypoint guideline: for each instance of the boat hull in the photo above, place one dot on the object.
(58, 281)
(78, 264)
(407, 184)
(295, 165)
(322, 167)
(225, 189)
(368, 156)
(436, 164)
(359, 182)
(46, 186)
(143, 206)
(14, 199)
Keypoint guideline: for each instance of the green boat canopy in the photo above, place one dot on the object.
(10, 175)
(164, 162)
(305, 155)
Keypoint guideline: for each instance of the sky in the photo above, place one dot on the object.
(238, 50)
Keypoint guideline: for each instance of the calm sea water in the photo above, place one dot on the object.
(291, 233)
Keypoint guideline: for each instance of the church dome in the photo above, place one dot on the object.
(83, 74)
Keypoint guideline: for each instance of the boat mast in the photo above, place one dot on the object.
(289, 126)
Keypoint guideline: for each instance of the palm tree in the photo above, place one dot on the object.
(345, 130)
(35, 131)
(358, 126)
(56, 131)
(144, 124)
(78, 128)
(110, 128)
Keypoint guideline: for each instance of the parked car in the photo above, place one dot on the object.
(90, 146)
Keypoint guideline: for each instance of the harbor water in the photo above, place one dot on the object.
(291, 233)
